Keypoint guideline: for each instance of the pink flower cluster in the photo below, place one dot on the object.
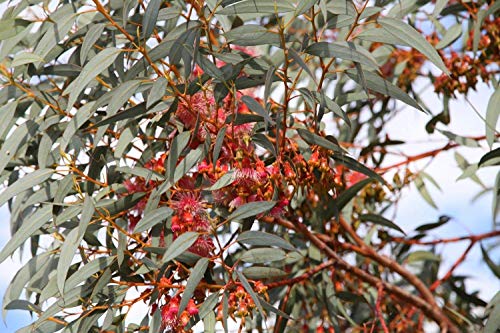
(169, 314)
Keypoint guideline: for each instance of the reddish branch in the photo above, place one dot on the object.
(300, 278)
(429, 308)
(472, 238)
(431, 153)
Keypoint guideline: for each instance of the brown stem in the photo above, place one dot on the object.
(431, 310)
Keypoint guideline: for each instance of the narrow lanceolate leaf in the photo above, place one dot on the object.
(419, 183)
(157, 91)
(346, 196)
(24, 58)
(450, 36)
(80, 118)
(461, 140)
(256, 7)
(120, 96)
(380, 220)
(94, 67)
(255, 106)
(496, 198)
(343, 50)
(251, 209)
(226, 179)
(490, 158)
(263, 255)
(401, 30)
(260, 238)
(422, 255)
(382, 86)
(180, 245)
(72, 242)
(250, 290)
(494, 267)
(153, 218)
(314, 139)
(35, 178)
(19, 137)
(178, 144)
(492, 114)
(353, 164)
(298, 59)
(94, 33)
(194, 278)
(150, 17)
(31, 224)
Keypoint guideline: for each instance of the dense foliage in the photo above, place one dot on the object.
(223, 163)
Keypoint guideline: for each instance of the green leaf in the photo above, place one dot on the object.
(401, 30)
(194, 279)
(120, 95)
(150, 17)
(492, 114)
(209, 67)
(263, 255)
(429, 226)
(94, 33)
(251, 35)
(255, 106)
(271, 308)
(113, 207)
(342, 50)
(490, 158)
(180, 245)
(147, 174)
(32, 179)
(422, 189)
(314, 139)
(80, 118)
(329, 104)
(468, 142)
(493, 311)
(95, 66)
(259, 238)
(380, 220)
(348, 194)
(438, 7)
(250, 291)
(251, 209)
(226, 179)
(24, 58)
(153, 218)
(380, 35)
(256, 7)
(87, 270)
(31, 224)
(7, 111)
(17, 138)
(219, 140)
(157, 91)
(72, 242)
(494, 267)
(20, 304)
(257, 273)
(450, 36)
(208, 305)
(496, 197)
(422, 256)
(178, 144)
(353, 164)
(382, 86)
